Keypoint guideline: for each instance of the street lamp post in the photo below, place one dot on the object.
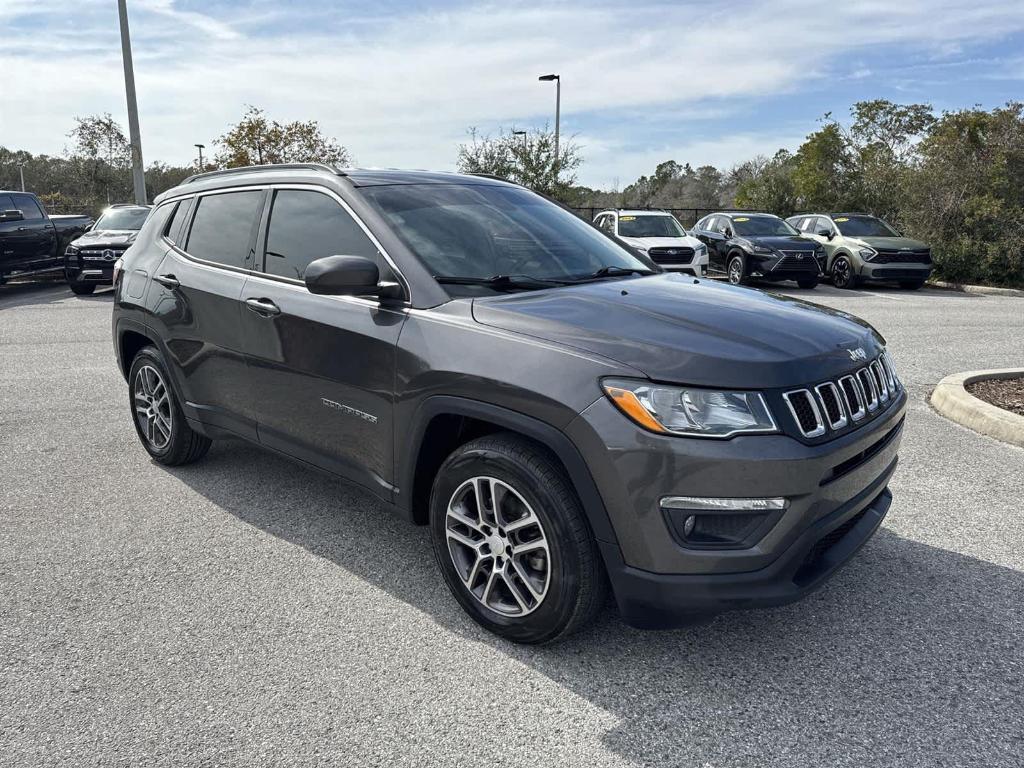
(558, 107)
(138, 174)
(200, 147)
(21, 170)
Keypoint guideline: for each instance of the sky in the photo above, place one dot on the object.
(399, 82)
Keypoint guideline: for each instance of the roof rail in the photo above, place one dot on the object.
(274, 166)
(496, 177)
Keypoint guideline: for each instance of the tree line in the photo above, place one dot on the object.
(954, 180)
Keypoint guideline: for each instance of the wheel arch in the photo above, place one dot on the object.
(131, 338)
(442, 423)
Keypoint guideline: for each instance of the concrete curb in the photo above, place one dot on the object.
(953, 401)
(980, 290)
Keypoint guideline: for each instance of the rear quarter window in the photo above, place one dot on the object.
(224, 227)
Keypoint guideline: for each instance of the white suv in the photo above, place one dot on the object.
(658, 236)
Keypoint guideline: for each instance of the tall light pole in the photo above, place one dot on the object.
(21, 169)
(558, 108)
(200, 147)
(138, 175)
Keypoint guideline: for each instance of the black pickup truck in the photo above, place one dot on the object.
(30, 240)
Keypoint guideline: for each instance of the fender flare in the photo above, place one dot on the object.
(551, 437)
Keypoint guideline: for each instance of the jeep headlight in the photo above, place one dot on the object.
(867, 253)
(690, 411)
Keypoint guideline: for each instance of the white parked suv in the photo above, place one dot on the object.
(658, 236)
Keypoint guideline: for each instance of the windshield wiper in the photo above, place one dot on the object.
(502, 282)
(614, 271)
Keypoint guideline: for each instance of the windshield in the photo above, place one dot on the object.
(761, 225)
(122, 218)
(649, 226)
(481, 231)
(864, 226)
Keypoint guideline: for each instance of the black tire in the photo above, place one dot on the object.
(183, 444)
(911, 285)
(808, 284)
(842, 274)
(82, 289)
(736, 270)
(576, 582)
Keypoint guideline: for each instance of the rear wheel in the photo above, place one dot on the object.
(911, 285)
(736, 271)
(82, 289)
(159, 420)
(842, 274)
(512, 542)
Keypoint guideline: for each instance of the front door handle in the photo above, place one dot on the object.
(167, 281)
(264, 307)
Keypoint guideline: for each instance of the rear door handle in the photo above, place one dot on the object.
(168, 281)
(264, 307)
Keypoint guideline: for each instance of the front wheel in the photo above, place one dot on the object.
(808, 284)
(159, 420)
(512, 542)
(842, 274)
(736, 275)
(82, 289)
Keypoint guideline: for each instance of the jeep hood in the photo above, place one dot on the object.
(676, 329)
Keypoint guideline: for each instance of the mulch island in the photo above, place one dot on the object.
(1007, 394)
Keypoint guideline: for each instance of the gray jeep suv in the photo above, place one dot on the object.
(561, 415)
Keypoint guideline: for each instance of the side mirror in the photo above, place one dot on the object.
(825, 233)
(728, 233)
(348, 276)
(12, 214)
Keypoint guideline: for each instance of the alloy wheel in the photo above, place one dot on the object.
(841, 273)
(498, 546)
(735, 271)
(152, 407)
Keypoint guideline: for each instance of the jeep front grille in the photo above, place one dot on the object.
(833, 405)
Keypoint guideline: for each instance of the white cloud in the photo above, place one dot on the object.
(401, 90)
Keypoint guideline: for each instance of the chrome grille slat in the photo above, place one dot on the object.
(840, 420)
(790, 398)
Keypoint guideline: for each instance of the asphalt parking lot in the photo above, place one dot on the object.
(245, 611)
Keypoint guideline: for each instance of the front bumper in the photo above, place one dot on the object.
(659, 581)
(895, 271)
(698, 267)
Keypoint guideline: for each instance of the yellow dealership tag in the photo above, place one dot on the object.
(627, 218)
(741, 218)
(842, 219)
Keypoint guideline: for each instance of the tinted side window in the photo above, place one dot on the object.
(711, 224)
(174, 232)
(6, 204)
(307, 225)
(28, 207)
(822, 224)
(223, 227)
